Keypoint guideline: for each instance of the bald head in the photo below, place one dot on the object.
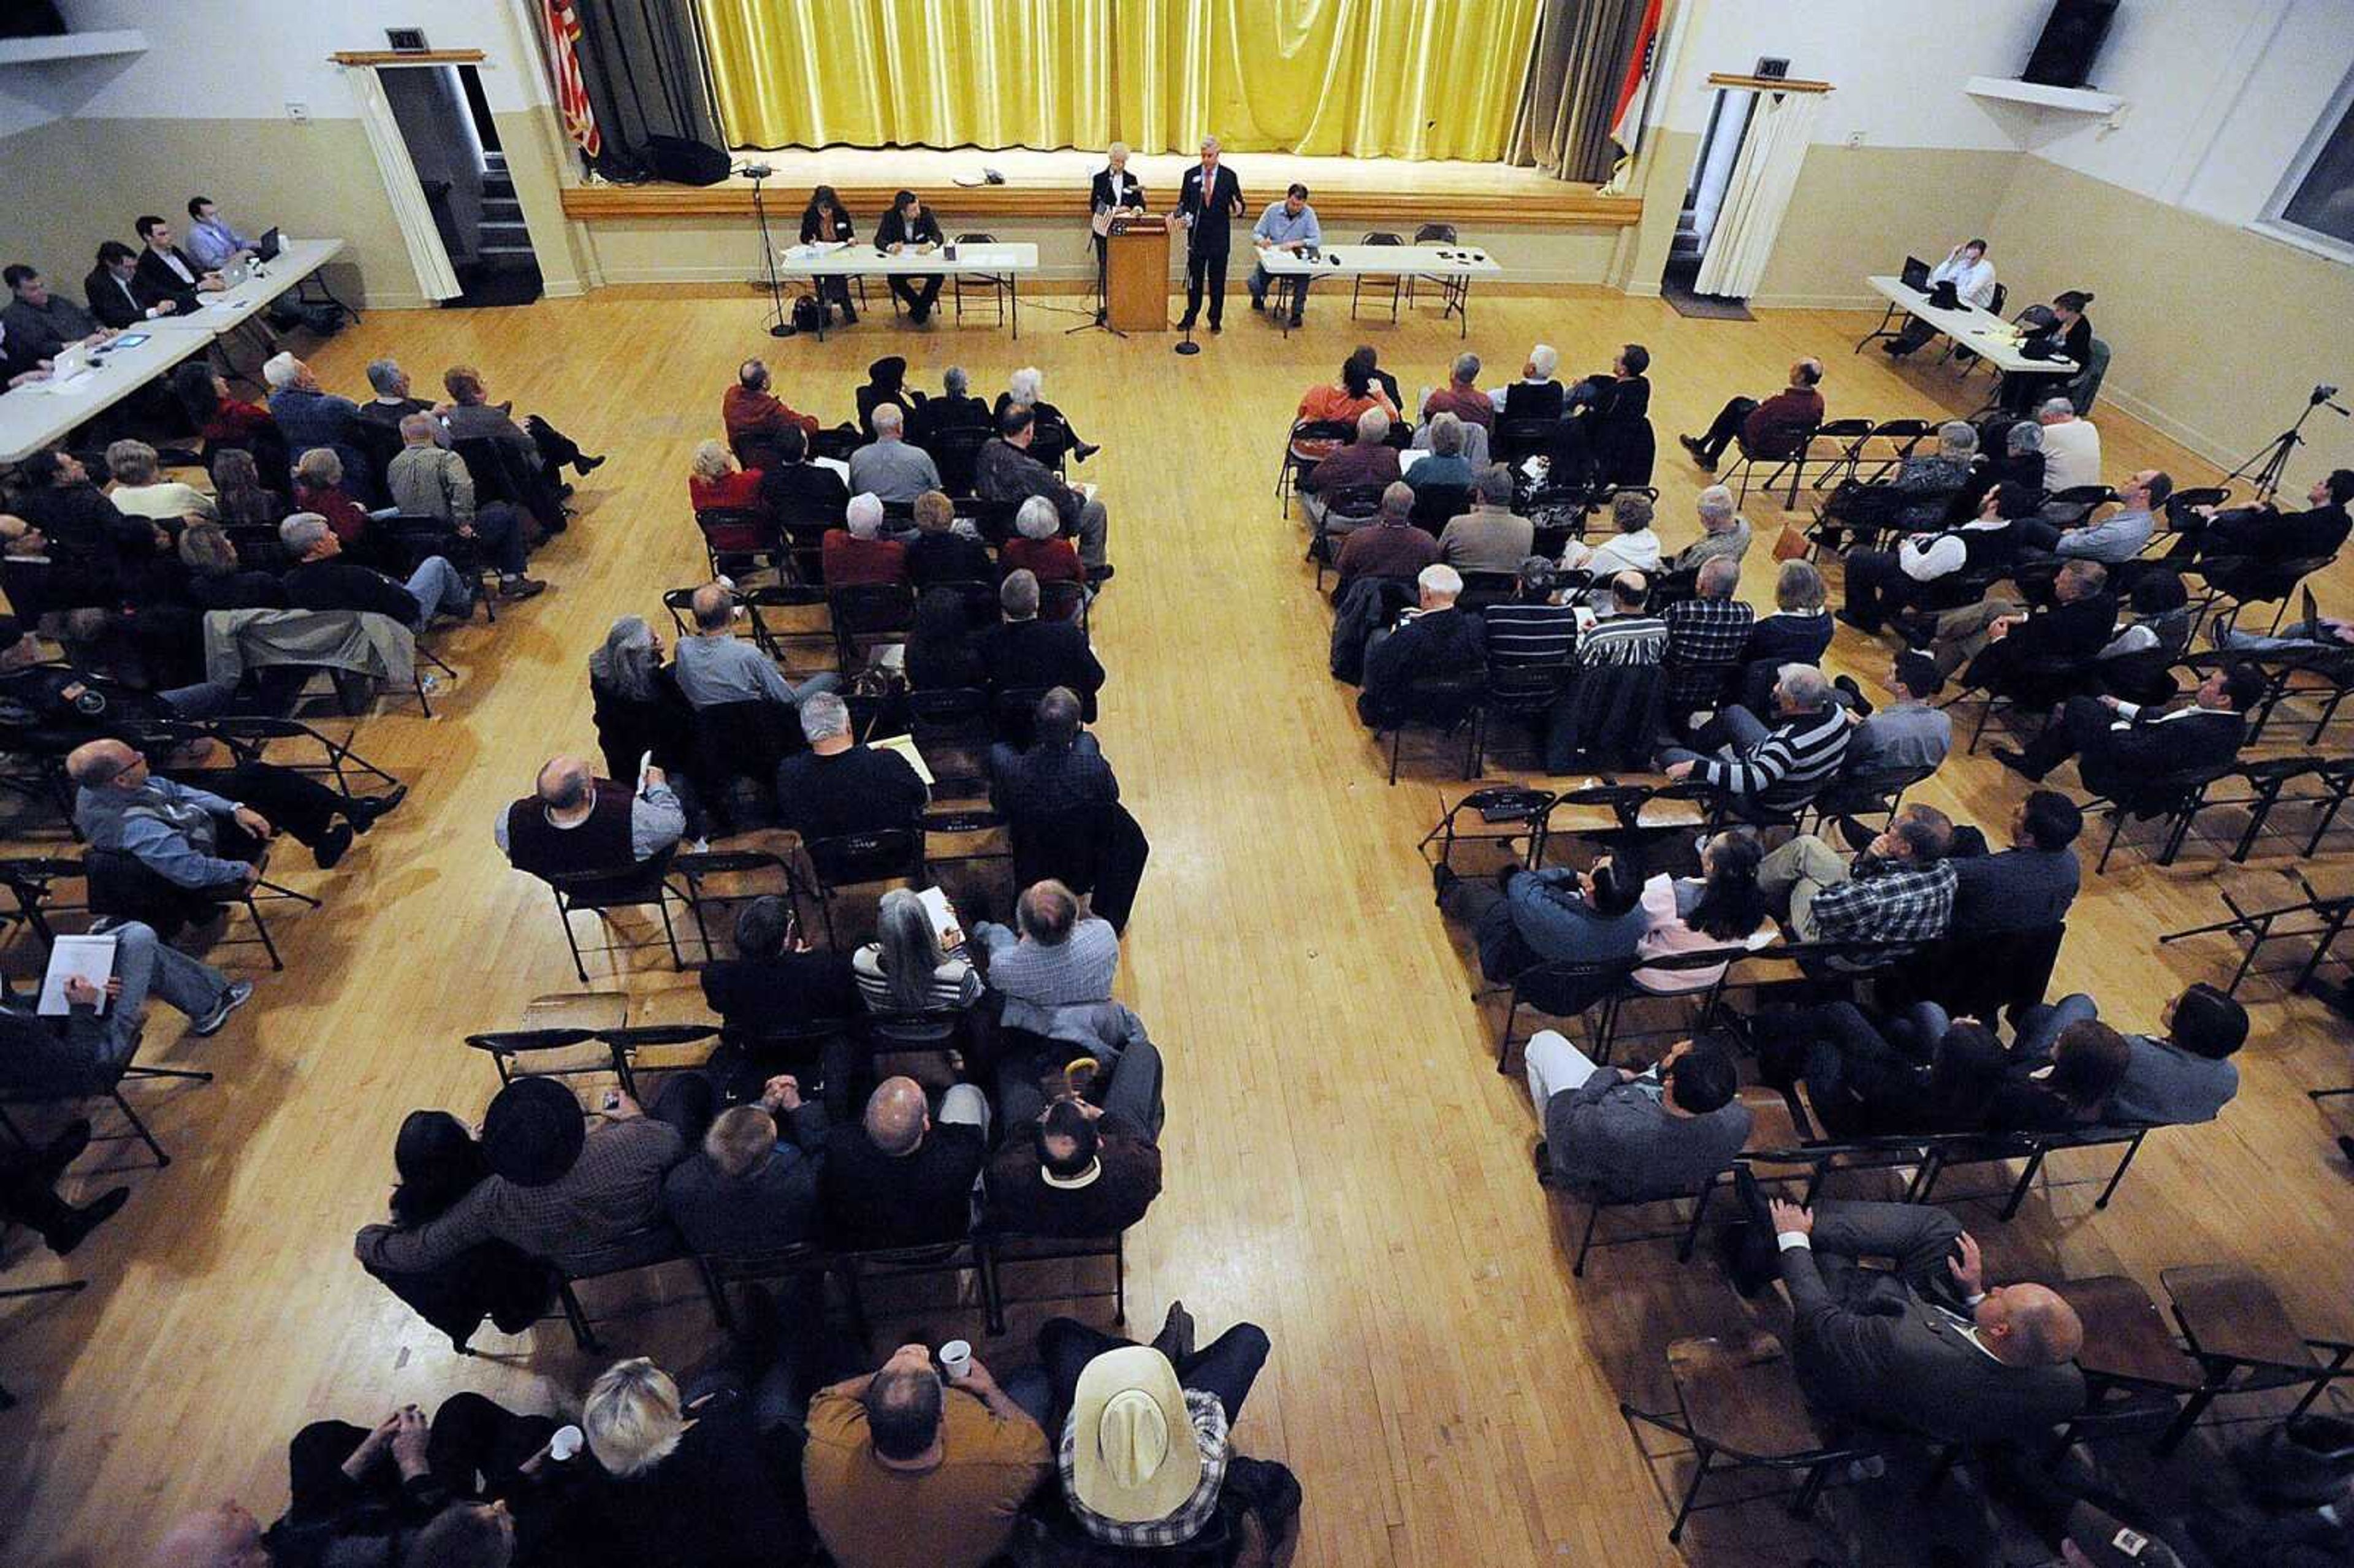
(714, 607)
(2029, 1326)
(222, 1536)
(897, 1118)
(95, 764)
(564, 784)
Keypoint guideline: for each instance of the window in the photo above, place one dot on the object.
(2316, 201)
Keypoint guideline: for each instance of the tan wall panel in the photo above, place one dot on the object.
(1859, 210)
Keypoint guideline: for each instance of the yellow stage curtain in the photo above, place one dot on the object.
(1389, 79)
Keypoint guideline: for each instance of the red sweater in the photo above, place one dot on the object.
(739, 490)
(746, 412)
(845, 559)
(1049, 561)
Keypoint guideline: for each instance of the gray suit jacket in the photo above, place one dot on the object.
(1891, 1349)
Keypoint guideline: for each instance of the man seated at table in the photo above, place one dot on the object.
(41, 323)
(1367, 460)
(1966, 267)
(165, 272)
(910, 226)
(318, 580)
(888, 467)
(2119, 744)
(1004, 471)
(1289, 226)
(115, 294)
(213, 242)
(1769, 429)
(430, 481)
(750, 411)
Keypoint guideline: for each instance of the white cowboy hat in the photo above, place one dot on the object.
(1135, 1459)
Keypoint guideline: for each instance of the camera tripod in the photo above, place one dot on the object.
(2269, 461)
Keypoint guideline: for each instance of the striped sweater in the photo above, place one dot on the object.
(1801, 755)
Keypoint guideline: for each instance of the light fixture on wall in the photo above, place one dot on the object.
(406, 40)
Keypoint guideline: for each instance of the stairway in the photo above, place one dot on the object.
(504, 271)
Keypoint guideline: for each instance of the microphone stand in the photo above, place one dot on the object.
(777, 325)
(1102, 322)
(1193, 238)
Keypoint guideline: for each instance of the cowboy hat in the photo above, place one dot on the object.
(1135, 1458)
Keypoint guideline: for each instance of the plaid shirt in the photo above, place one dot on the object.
(1703, 632)
(1192, 1515)
(1887, 902)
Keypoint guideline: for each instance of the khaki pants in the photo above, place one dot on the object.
(1962, 634)
(1798, 870)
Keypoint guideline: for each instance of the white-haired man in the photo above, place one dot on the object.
(430, 480)
(2071, 447)
(1207, 204)
(858, 554)
(839, 787)
(1368, 460)
(1435, 642)
(308, 417)
(1536, 395)
(1763, 770)
(890, 467)
(319, 580)
(394, 402)
(1723, 532)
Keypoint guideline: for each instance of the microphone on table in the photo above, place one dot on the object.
(757, 172)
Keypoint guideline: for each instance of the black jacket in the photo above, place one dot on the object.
(873, 1199)
(108, 302)
(339, 584)
(2265, 536)
(157, 281)
(1213, 218)
(2125, 760)
(948, 559)
(1022, 654)
(1101, 196)
(816, 224)
(803, 491)
(791, 991)
(2022, 889)
(894, 229)
(1440, 645)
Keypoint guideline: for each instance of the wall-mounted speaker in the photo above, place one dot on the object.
(2064, 56)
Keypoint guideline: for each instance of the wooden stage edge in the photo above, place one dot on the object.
(1574, 204)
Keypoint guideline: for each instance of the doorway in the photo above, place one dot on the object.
(1704, 192)
(445, 123)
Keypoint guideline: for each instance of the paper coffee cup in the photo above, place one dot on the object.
(566, 1442)
(955, 1360)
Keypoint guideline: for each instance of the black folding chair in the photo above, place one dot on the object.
(601, 892)
(1357, 285)
(856, 860)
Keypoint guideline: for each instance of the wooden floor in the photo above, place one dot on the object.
(1345, 1166)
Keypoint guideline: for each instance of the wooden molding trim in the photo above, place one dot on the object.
(407, 57)
(1766, 83)
(962, 204)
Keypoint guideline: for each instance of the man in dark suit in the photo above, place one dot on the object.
(1926, 1347)
(2028, 886)
(2003, 653)
(794, 489)
(1439, 643)
(2268, 533)
(113, 291)
(1025, 653)
(908, 225)
(1112, 189)
(767, 987)
(752, 1187)
(2120, 747)
(1207, 206)
(165, 272)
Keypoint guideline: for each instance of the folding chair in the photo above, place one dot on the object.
(1448, 705)
(1000, 1249)
(123, 887)
(855, 860)
(1357, 284)
(601, 892)
(954, 728)
(1739, 1406)
(1451, 290)
(2244, 1342)
(866, 614)
(991, 286)
(1309, 442)
(731, 869)
(737, 539)
(1899, 437)
(1792, 462)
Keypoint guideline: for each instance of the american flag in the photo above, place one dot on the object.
(571, 93)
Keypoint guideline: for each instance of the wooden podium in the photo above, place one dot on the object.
(1136, 287)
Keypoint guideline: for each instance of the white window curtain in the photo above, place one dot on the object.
(435, 277)
(1742, 242)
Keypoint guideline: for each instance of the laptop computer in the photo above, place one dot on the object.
(235, 273)
(1916, 274)
(266, 248)
(69, 362)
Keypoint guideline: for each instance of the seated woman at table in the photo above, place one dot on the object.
(2068, 335)
(826, 218)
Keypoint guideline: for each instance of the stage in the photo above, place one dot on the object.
(1541, 229)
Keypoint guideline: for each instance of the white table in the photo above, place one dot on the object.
(42, 413)
(39, 414)
(1003, 262)
(1454, 265)
(1981, 331)
(288, 270)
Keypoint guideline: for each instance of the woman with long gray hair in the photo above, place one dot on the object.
(638, 707)
(904, 969)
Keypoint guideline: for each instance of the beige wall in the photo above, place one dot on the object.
(2217, 334)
